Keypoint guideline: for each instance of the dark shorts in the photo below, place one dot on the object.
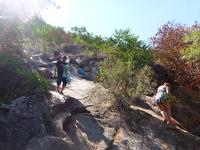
(61, 79)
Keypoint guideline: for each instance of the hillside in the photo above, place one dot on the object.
(112, 84)
(85, 120)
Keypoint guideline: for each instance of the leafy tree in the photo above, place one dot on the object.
(125, 70)
(168, 44)
(81, 36)
(172, 49)
(192, 55)
(92, 43)
(129, 48)
(192, 52)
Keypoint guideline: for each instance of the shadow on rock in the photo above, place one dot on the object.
(82, 128)
(156, 135)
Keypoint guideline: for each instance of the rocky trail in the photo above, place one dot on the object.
(83, 119)
(86, 120)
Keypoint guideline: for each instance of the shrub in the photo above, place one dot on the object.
(125, 81)
(17, 80)
(126, 71)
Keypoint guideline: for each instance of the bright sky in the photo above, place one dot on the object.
(102, 17)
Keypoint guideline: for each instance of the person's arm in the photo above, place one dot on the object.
(167, 89)
(55, 69)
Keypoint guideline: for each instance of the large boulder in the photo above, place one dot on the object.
(22, 120)
(148, 132)
(45, 72)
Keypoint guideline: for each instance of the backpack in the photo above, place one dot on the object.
(66, 72)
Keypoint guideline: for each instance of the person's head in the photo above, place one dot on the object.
(166, 84)
(64, 58)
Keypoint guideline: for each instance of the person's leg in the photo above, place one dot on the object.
(63, 87)
(162, 107)
(171, 121)
(58, 84)
(168, 117)
(168, 106)
(58, 87)
(64, 80)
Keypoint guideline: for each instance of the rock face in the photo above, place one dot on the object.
(150, 133)
(89, 124)
(45, 72)
(23, 120)
(84, 120)
(48, 143)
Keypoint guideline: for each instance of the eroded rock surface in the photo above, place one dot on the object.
(83, 119)
(23, 120)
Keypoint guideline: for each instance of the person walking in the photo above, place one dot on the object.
(60, 79)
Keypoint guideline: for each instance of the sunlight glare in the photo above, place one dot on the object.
(23, 7)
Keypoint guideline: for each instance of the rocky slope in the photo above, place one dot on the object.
(84, 119)
(22, 120)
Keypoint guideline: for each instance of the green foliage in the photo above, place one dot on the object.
(126, 41)
(34, 81)
(17, 80)
(192, 52)
(129, 48)
(42, 36)
(82, 37)
(125, 70)
(125, 81)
